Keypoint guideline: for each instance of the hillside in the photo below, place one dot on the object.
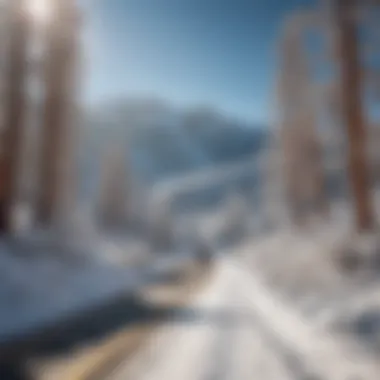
(161, 142)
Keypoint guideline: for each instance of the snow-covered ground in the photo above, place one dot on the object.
(45, 276)
(302, 269)
(271, 312)
(305, 266)
(44, 280)
(279, 307)
(240, 329)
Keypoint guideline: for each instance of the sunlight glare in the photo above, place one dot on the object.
(39, 10)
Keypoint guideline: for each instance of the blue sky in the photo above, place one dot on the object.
(215, 52)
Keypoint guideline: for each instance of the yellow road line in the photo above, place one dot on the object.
(95, 363)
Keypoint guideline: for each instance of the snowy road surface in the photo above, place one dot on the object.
(238, 329)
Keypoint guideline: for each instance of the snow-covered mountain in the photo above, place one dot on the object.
(161, 141)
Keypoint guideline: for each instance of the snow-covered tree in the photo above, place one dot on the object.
(112, 192)
(161, 225)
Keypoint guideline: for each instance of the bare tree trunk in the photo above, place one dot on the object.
(350, 76)
(58, 110)
(304, 172)
(14, 112)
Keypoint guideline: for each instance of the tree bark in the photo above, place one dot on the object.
(14, 113)
(350, 86)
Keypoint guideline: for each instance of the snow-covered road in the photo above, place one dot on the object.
(239, 329)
